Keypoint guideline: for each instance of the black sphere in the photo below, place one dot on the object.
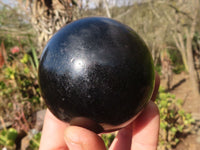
(97, 73)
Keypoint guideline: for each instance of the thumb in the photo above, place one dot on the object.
(78, 138)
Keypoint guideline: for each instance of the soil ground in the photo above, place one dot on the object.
(182, 88)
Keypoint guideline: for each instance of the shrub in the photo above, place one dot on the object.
(7, 138)
(19, 90)
(108, 138)
(35, 141)
(174, 121)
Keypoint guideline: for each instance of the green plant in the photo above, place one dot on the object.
(177, 62)
(174, 121)
(19, 90)
(178, 69)
(108, 138)
(31, 57)
(158, 69)
(7, 138)
(35, 141)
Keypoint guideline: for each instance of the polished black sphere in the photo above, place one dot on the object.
(97, 73)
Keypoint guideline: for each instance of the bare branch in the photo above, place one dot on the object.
(107, 8)
(194, 21)
(177, 43)
(179, 11)
(8, 6)
(123, 14)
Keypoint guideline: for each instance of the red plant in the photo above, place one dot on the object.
(14, 50)
(2, 55)
(1, 60)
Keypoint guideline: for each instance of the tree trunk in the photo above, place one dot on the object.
(192, 72)
(191, 65)
(180, 45)
(48, 16)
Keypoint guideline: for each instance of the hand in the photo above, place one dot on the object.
(141, 134)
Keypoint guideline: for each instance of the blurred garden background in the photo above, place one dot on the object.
(170, 28)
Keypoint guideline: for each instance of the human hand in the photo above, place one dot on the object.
(141, 134)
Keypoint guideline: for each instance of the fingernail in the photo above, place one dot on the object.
(72, 145)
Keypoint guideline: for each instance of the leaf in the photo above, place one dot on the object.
(3, 133)
(25, 59)
(164, 103)
(35, 57)
(181, 112)
(163, 125)
(10, 143)
(161, 89)
(192, 120)
(177, 140)
(188, 116)
(12, 134)
(180, 128)
(173, 130)
(172, 96)
(26, 70)
(2, 85)
(179, 102)
(163, 96)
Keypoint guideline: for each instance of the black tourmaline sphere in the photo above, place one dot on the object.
(96, 73)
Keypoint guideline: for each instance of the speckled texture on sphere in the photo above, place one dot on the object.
(96, 68)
